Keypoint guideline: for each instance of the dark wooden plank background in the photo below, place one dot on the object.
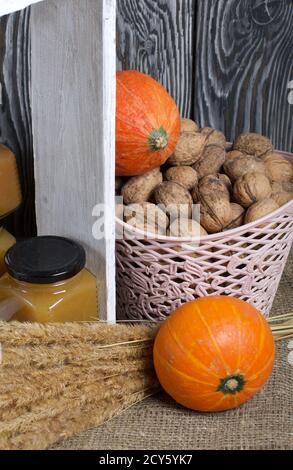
(228, 63)
(15, 116)
(234, 57)
(244, 63)
(157, 37)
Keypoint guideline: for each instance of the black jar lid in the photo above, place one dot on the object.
(45, 260)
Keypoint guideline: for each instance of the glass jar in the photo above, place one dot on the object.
(10, 192)
(6, 241)
(47, 282)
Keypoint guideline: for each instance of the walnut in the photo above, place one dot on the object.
(184, 175)
(250, 188)
(288, 186)
(187, 125)
(260, 209)
(215, 213)
(188, 150)
(238, 214)
(214, 199)
(186, 228)
(278, 168)
(210, 185)
(282, 197)
(214, 137)
(253, 144)
(145, 227)
(140, 188)
(174, 199)
(227, 182)
(239, 165)
(233, 154)
(211, 161)
(146, 214)
(277, 187)
(282, 192)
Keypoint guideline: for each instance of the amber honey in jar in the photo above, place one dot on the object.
(6, 241)
(47, 282)
(10, 192)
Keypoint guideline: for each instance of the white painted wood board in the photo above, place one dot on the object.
(73, 114)
(9, 6)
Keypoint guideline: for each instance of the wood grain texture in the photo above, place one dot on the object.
(15, 116)
(73, 113)
(244, 63)
(158, 38)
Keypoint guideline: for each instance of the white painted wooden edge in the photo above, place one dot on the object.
(9, 6)
(109, 111)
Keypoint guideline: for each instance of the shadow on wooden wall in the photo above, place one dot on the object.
(15, 113)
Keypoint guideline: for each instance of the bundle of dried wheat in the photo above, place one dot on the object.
(56, 380)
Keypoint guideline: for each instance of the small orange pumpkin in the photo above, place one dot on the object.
(147, 124)
(214, 353)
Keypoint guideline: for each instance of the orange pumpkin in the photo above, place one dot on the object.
(214, 353)
(147, 124)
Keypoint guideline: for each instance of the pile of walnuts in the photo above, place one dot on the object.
(232, 187)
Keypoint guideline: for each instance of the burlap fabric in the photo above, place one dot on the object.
(158, 423)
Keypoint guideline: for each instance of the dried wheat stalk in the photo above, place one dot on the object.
(51, 383)
(43, 433)
(78, 353)
(101, 334)
(56, 380)
(282, 326)
(74, 399)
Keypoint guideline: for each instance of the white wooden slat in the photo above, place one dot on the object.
(9, 6)
(109, 111)
(73, 114)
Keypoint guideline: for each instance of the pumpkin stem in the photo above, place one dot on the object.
(231, 384)
(158, 139)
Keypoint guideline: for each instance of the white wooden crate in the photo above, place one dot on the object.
(73, 94)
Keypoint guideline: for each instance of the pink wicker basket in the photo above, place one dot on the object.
(154, 278)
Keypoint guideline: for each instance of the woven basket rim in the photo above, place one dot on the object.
(213, 236)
